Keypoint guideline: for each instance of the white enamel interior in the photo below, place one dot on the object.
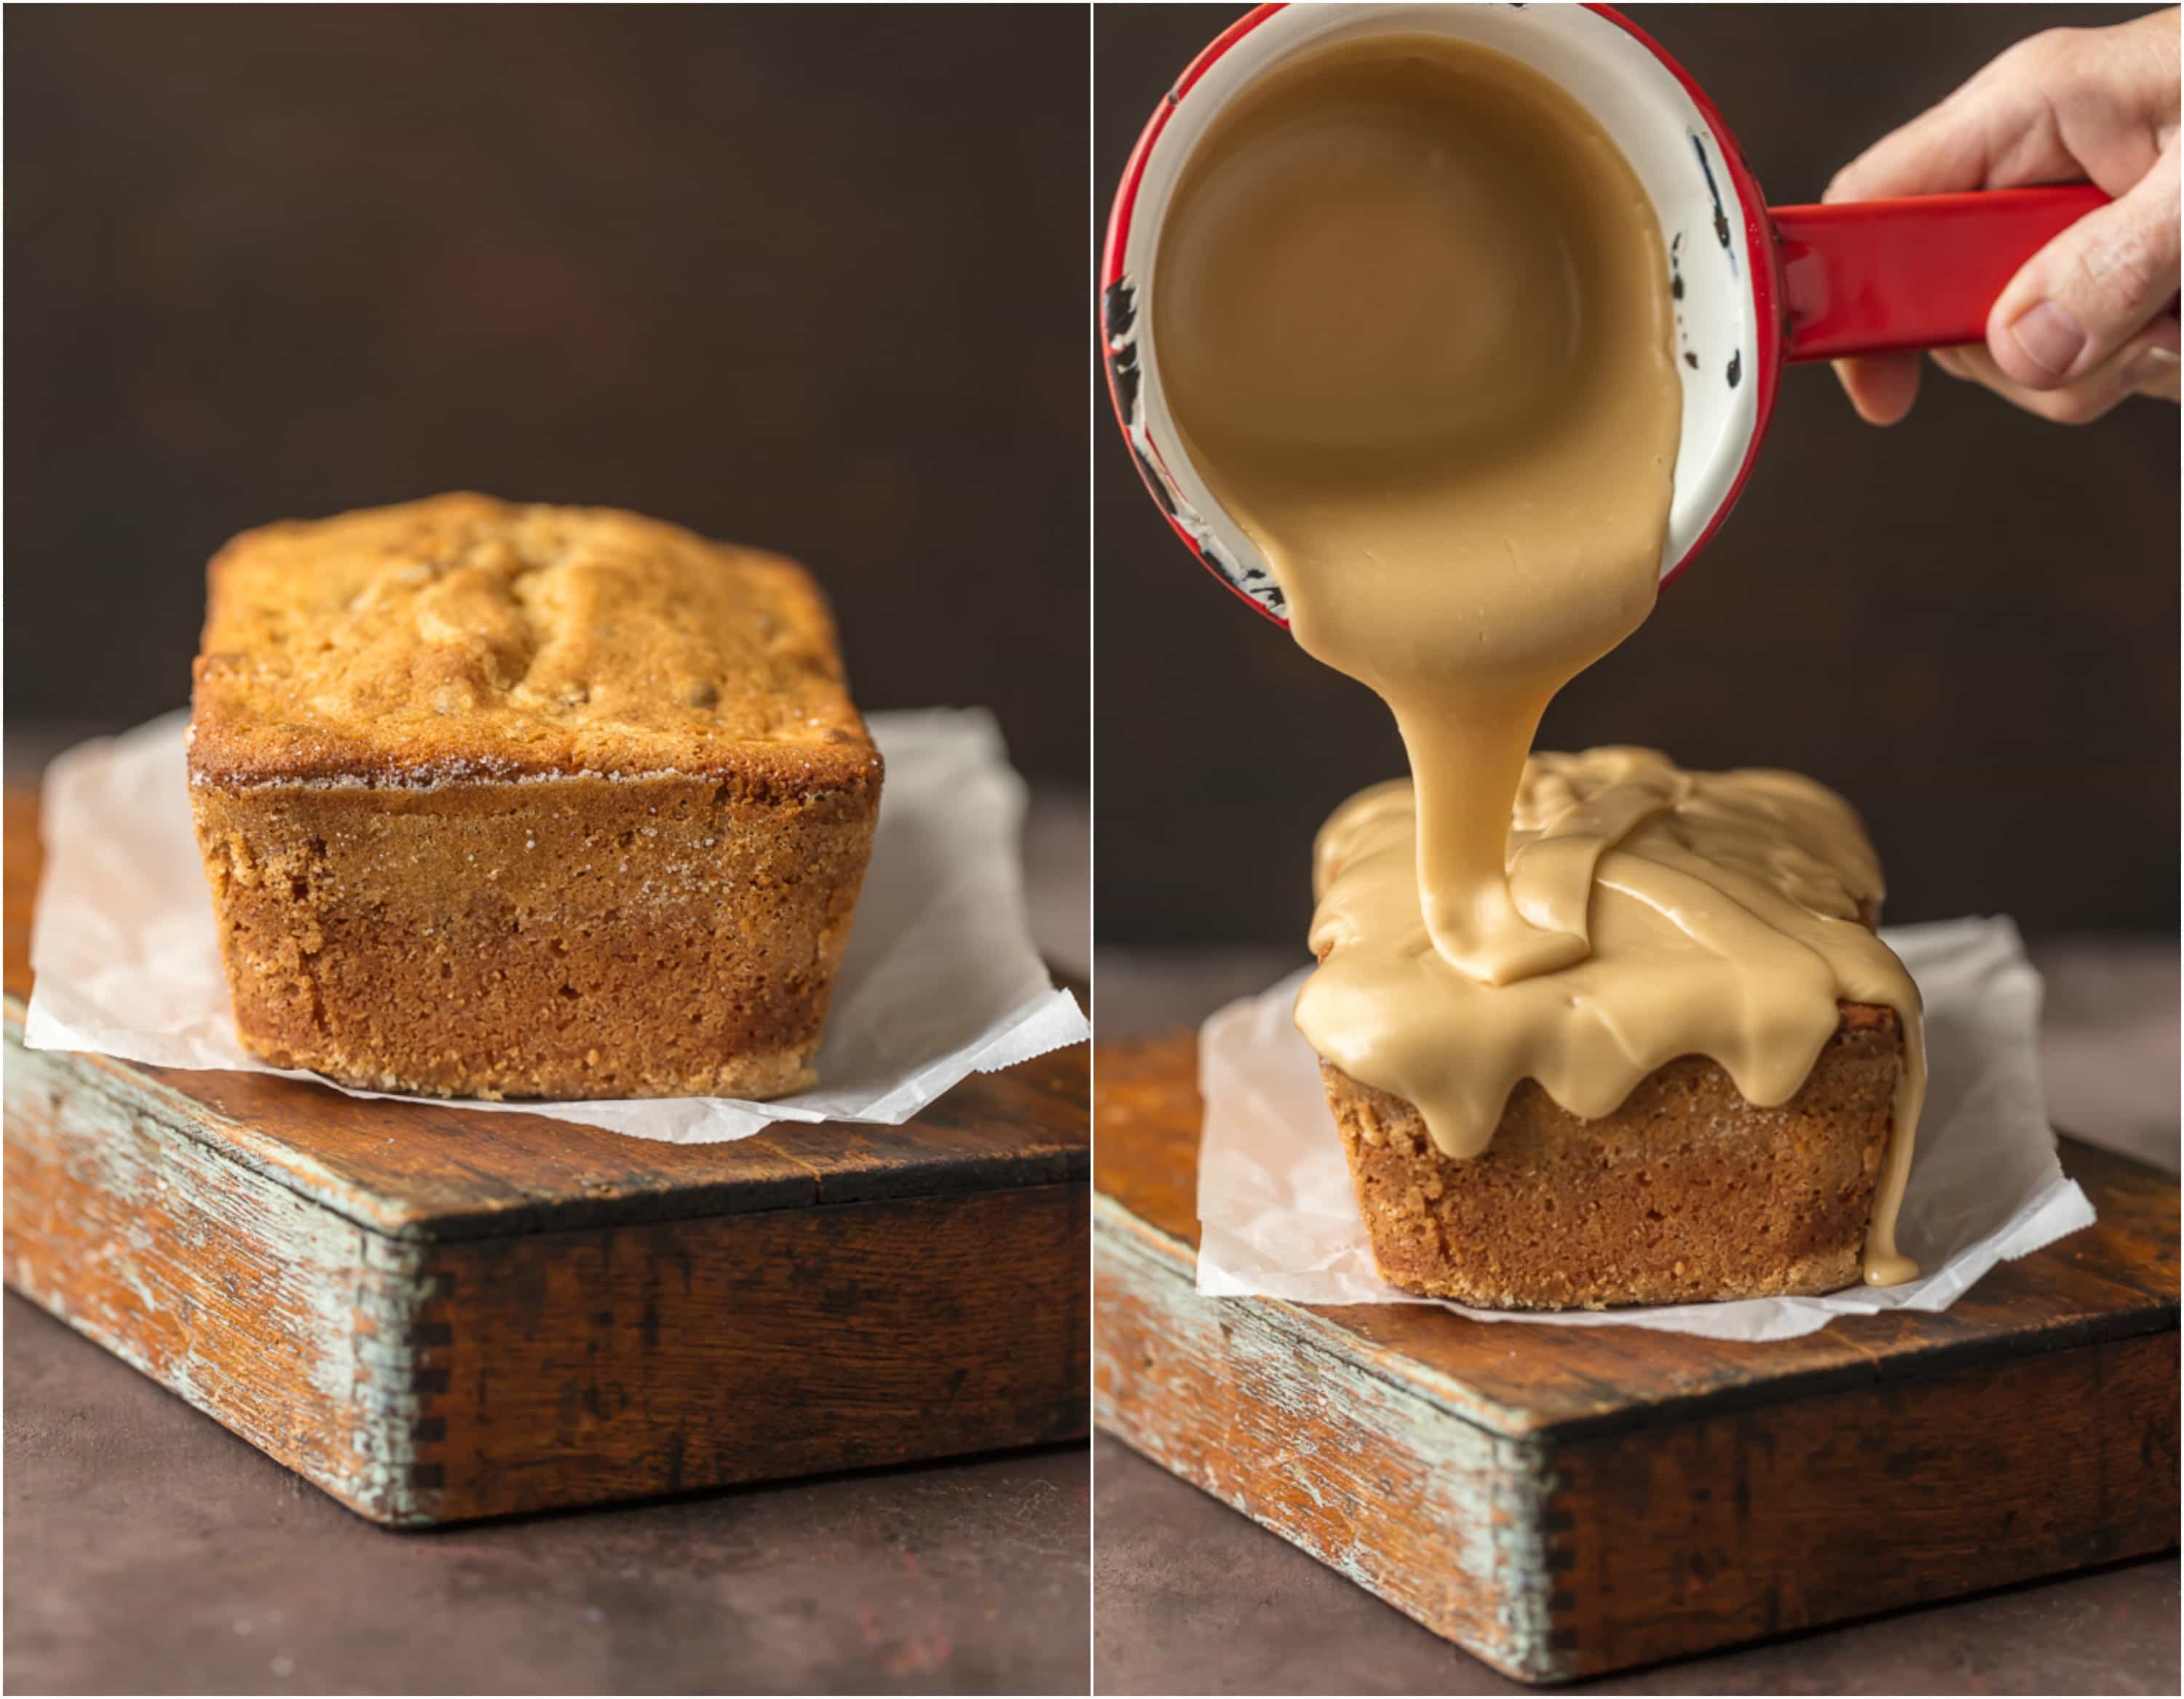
(1641, 104)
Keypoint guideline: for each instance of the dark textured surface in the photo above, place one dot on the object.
(1195, 1599)
(148, 1550)
(805, 277)
(1966, 624)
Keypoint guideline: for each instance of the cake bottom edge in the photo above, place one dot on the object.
(759, 1075)
(1686, 1194)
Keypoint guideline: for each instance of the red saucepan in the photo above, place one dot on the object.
(1756, 287)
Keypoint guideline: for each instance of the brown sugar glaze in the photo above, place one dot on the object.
(1413, 322)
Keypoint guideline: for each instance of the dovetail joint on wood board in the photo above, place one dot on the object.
(308, 1334)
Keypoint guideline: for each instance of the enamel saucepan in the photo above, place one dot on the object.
(1756, 287)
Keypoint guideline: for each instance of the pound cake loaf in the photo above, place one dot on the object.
(1684, 1192)
(1712, 1096)
(502, 800)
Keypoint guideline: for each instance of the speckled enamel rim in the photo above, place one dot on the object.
(1723, 265)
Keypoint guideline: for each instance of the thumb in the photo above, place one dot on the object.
(2092, 288)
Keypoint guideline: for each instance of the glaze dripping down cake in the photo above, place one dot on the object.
(1718, 1101)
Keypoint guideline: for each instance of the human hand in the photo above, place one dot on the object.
(2092, 318)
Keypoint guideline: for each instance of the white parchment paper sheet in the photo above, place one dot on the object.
(1280, 1220)
(940, 978)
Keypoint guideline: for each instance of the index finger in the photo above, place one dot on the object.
(1998, 131)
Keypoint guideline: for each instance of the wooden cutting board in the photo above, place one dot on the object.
(437, 1313)
(1561, 1501)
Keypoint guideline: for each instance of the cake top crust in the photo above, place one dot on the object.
(462, 638)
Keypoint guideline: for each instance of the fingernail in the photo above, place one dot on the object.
(2049, 337)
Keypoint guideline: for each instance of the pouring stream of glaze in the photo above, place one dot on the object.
(1414, 322)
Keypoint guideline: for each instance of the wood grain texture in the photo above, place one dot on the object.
(1561, 1501)
(437, 1314)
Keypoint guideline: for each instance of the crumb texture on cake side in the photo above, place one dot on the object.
(527, 802)
(1685, 1192)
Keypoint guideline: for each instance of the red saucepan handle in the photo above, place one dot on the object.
(1869, 276)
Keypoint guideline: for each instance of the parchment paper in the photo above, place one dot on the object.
(940, 978)
(1280, 1218)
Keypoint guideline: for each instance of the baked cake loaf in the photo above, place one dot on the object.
(1687, 1192)
(521, 801)
(1715, 1095)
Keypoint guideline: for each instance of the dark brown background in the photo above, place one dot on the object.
(809, 278)
(1968, 624)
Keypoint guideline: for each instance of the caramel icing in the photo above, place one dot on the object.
(1724, 915)
(1413, 323)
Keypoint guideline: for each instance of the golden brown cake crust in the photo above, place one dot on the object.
(465, 638)
(527, 802)
(1685, 1192)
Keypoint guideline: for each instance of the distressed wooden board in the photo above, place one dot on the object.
(437, 1313)
(1561, 1501)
